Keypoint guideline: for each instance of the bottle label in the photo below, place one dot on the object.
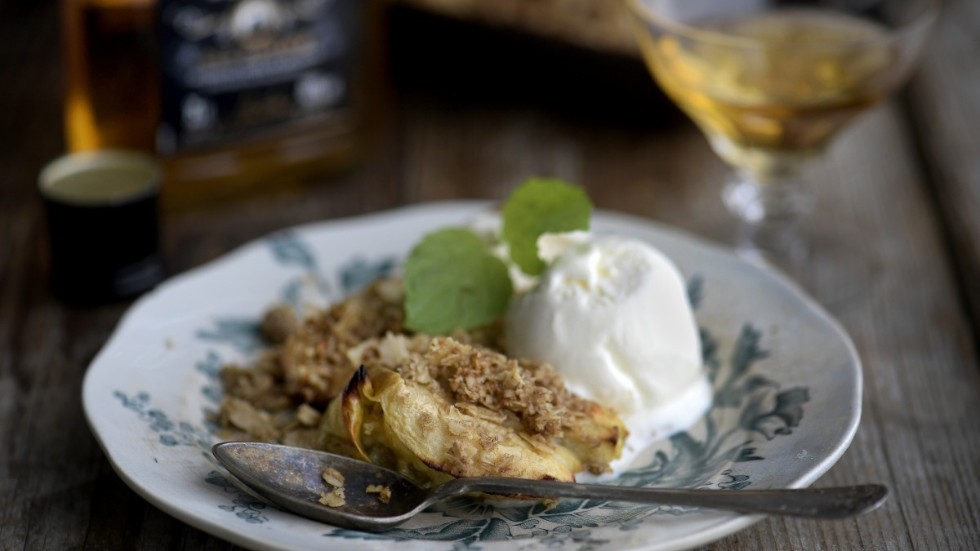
(232, 69)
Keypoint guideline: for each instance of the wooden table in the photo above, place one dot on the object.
(896, 258)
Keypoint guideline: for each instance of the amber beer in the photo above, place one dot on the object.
(233, 96)
(773, 94)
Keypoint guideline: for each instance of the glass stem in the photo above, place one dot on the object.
(769, 207)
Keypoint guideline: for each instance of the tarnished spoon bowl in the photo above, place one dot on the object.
(292, 478)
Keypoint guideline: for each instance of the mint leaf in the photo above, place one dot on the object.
(453, 282)
(541, 205)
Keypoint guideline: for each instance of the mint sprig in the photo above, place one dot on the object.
(452, 281)
(541, 205)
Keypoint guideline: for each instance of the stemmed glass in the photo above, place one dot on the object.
(770, 83)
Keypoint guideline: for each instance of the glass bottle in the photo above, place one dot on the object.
(233, 96)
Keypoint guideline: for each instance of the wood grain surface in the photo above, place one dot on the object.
(896, 254)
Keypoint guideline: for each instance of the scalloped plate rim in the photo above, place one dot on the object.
(728, 523)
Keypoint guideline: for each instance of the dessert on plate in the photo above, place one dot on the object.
(350, 380)
(460, 368)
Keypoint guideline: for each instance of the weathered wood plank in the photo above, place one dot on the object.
(944, 99)
(886, 276)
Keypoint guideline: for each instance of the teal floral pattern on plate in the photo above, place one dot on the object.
(689, 462)
(786, 394)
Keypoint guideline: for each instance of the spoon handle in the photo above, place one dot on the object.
(837, 502)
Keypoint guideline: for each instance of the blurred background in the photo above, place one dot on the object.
(254, 101)
(249, 102)
(237, 98)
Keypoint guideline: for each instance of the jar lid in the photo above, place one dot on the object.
(103, 224)
(100, 178)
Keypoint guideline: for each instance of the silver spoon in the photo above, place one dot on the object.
(292, 479)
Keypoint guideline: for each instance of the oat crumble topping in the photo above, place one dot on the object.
(384, 492)
(491, 406)
(334, 498)
(333, 477)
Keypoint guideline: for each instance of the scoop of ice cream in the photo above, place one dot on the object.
(612, 315)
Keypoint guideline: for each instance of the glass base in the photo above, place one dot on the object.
(769, 215)
(780, 246)
(754, 201)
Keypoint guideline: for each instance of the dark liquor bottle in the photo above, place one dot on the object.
(233, 96)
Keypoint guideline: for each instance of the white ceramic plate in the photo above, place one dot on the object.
(786, 378)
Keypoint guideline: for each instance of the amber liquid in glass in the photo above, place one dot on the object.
(113, 100)
(781, 83)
